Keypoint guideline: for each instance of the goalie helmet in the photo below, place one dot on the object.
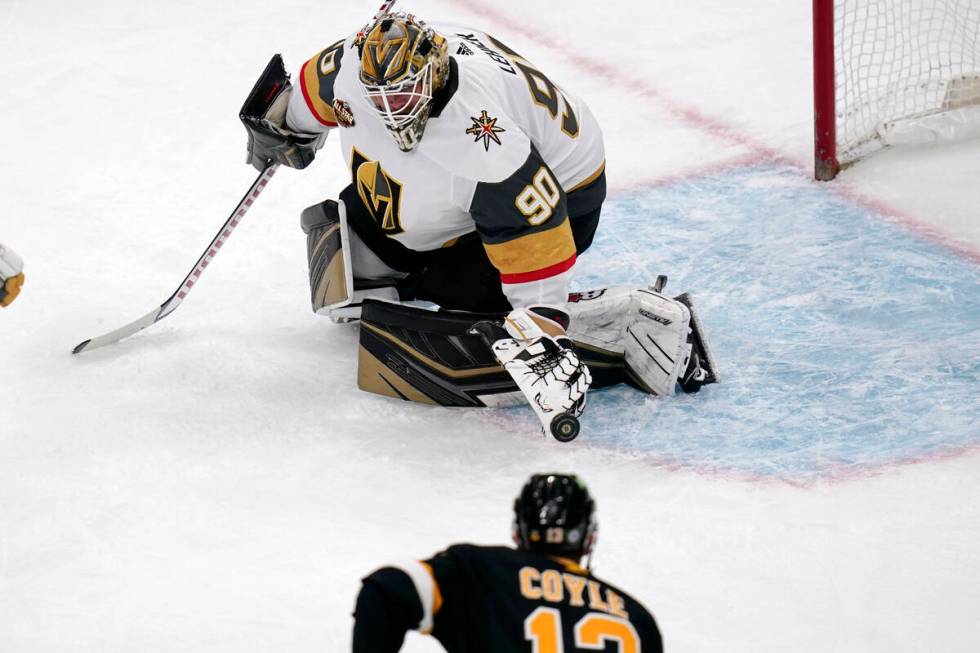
(403, 64)
(555, 514)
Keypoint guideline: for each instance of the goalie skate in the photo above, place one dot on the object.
(663, 342)
(702, 369)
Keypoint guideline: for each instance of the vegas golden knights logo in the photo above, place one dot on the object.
(380, 193)
(384, 63)
(387, 51)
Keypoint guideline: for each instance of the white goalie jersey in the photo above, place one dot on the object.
(500, 154)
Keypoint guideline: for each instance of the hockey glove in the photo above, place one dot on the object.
(543, 363)
(11, 275)
(264, 117)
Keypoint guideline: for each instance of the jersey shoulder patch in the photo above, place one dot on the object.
(317, 78)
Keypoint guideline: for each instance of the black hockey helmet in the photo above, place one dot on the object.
(555, 514)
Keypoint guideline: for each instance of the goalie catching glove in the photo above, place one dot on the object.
(541, 359)
(11, 275)
(264, 117)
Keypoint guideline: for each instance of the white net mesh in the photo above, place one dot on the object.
(901, 60)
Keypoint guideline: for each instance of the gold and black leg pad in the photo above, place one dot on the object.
(433, 357)
(328, 255)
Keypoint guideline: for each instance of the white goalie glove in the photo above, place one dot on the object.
(11, 275)
(540, 358)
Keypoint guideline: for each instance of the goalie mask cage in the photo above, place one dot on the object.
(892, 71)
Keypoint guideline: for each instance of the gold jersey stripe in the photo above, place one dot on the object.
(570, 565)
(588, 180)
(453, 241)
(534, 251)
(310, 83)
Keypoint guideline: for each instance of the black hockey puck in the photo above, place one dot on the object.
(565, 427)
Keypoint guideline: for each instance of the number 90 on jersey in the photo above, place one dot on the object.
(537, 201)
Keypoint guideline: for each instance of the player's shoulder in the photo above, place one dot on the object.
(321, 75)
(474, 135)
(511, 556)
(484, 558)
(638, 612)
(612, 586)
(330, 59)
(476, 46)
(478, 551)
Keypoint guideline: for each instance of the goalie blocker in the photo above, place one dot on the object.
(636, 336)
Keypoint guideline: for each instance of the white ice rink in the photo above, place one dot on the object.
(217, 483)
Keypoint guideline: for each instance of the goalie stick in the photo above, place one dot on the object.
(384, 9)
(172, 302)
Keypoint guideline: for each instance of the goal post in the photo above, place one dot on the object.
(888, 72)
(824, 92)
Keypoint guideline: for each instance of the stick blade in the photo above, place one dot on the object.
(81, 346)
(120, 333)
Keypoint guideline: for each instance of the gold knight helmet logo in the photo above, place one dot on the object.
(379, 192)
(387, 52)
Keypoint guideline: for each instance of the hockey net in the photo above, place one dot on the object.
(901, 71)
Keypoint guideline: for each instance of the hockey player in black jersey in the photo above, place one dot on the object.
(537, 598)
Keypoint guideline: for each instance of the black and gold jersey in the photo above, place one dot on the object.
(480, 599)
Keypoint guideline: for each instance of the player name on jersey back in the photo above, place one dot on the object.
(563, 587)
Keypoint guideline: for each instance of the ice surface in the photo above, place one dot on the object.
(846, 343)
(216, 483)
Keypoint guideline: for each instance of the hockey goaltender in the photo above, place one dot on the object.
(476, 181)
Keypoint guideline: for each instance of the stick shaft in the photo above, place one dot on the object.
(172, 302)
(384, 9)
(219, 240)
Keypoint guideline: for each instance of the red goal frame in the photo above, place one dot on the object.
(826, 165)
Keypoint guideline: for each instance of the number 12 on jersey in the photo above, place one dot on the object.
(592, 632)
